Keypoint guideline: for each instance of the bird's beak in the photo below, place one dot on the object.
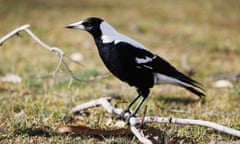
(77, 25)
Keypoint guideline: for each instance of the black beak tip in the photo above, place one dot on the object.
(69, 26)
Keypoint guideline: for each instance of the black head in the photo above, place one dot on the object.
(91, 25)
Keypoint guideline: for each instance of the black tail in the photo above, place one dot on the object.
(163, 67)
(194, 90)
(191, 85)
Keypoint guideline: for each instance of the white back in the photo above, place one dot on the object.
(109, 34)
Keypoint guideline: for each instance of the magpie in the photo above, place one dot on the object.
(131, 62)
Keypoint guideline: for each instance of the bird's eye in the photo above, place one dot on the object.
(87, 24)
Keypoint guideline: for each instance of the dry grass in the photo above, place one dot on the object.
(206, 31)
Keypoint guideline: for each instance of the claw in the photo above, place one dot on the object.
(126, 115)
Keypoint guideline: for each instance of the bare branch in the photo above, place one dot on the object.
(135, 121)
(58, 66)
(218, 127)
(57, 50)
(13, 32)
(104, 102)
(140, 135)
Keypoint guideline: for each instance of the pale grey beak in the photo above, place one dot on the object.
(77, 25)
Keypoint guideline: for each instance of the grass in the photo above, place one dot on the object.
(206, 31)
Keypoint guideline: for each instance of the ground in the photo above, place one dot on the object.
(206, 32)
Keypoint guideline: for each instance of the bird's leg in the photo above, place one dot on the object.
(127, 117)
(138, 106)
(127, 110)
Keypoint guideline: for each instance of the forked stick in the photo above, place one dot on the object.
(135, 121)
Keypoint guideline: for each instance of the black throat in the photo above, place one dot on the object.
(96, 33)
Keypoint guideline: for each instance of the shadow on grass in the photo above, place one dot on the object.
(47, 133)
(156, 135)
(171, 99)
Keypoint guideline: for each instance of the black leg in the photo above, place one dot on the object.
(129, 106)
(134, 100)
(144, 94)
(138, 106)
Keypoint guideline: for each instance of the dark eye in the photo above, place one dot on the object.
(87, 24)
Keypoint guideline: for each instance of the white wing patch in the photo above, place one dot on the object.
(163, 79)
(109, 34)
(144, 60)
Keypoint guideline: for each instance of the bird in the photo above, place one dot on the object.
(131, 62)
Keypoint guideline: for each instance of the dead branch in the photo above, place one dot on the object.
(57, 50)
(13, 32)
(135, 121)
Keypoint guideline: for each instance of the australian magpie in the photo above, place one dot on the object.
(131, 62)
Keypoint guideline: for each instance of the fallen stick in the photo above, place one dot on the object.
(135, 121)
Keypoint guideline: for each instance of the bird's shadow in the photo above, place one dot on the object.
(156, 135)
(174, 99)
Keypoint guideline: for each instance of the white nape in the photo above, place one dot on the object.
(109, 34)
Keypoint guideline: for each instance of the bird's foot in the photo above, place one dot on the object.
(126, 115)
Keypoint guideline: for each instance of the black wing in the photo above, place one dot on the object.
(144, 59)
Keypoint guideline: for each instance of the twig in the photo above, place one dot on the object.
(57, 50)
(144, 114)
(58, 66)
(218, 127)
(140, 135)
(13, 32)
(135, 121)
(104, 102)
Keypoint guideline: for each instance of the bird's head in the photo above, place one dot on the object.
(91, 25)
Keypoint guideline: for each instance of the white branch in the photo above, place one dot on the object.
(134, 121)
(58, 51)
(140, 135)
(104, 102)
(218, 127)
(13, 32)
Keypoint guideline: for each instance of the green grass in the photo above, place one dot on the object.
(206, 31)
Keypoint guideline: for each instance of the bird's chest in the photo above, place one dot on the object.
(121, 62)
(109, 56)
